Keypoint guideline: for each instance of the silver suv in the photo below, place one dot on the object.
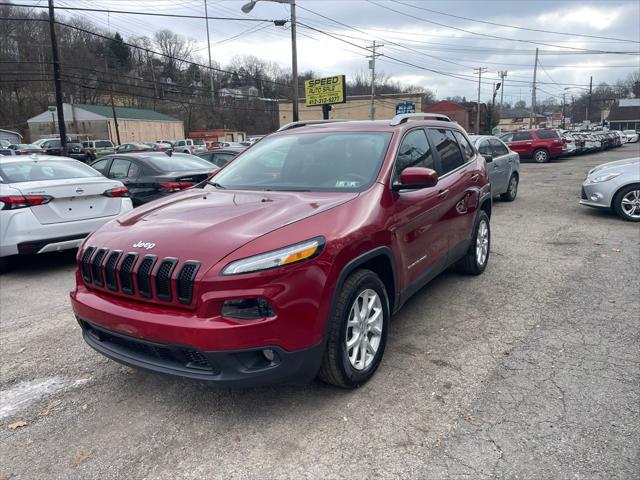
(190, 146)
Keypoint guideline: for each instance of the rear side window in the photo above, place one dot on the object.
(221, 159)
(101, 166)
(498, 148)
(547, 134)
(450, 154)
(467, 149)
(175, 163)
(198, 142)
(414, 152)
(119, 168)
(32, 171)
(485, 148)
(520, 136)
(103, 144)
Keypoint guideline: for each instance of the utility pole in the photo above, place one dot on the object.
(503, 75)
(589, 102)
(294, 47)
(57, 80)
(294, 61)
(206, 17)
(113, 107)
(563, 109)
(532, 117)
(372, 67)
(479, 71)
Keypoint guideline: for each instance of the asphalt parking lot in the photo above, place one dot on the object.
(531, 370)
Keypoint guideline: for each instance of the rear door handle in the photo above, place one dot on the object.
(475, 177)
(443, 194)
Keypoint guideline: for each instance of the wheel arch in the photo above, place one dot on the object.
(380, 261)
(619, 189)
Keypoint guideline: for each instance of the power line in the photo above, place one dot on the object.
(131, 12)
(496, 36)
(189, 62)
(514, 26)
(458, 76)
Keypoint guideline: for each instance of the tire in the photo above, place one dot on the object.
(5, 264)
(626, 203)
(512, 189)
(541, 155)
(471, 264)
(337, 368)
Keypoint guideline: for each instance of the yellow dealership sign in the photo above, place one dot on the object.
(325, 91)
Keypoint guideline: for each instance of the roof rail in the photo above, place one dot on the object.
(404, 117)
(304, 123)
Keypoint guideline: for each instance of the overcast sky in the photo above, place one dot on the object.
(410, 38)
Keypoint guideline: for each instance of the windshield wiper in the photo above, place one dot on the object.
(286, 190)
(217, 185)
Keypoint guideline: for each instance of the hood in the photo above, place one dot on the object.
(207, 225)
(628, 164)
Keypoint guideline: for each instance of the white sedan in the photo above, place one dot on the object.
(49, 203)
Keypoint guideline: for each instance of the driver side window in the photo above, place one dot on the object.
(414, 151)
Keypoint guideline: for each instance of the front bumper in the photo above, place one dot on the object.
(597, 195)
(239, 368)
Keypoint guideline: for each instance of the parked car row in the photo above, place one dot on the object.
(543, 145)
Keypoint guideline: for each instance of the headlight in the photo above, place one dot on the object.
(604, 178)
(276, 258)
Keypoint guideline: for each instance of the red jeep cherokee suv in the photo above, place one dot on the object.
(541, 145)
(290, 262)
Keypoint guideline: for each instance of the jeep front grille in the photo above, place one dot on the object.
(147, 277)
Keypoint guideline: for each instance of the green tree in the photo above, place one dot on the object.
(119, 54)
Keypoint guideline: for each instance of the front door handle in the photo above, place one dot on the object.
(442, 194)
(475, 177)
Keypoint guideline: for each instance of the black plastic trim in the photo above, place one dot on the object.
(184, 299)
(110, 274)
(122, 273)
(96, 266)
(162, 295)
(144, 279)
(232, 368)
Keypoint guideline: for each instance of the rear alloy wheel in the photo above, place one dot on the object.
(358, 331)
(626, 203)
(476, 259)
(541, 156)
(512, 190)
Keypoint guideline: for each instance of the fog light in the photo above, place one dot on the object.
(269, 354)
(596, 197)
(247, 309)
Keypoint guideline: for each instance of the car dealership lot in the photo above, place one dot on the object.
(530, 370)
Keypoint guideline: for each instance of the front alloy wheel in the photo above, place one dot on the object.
(364, 329)
(357, 331)
(627, 203)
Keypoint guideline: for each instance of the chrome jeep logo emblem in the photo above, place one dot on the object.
(145, 245)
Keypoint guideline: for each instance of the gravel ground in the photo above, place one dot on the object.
(530, 371)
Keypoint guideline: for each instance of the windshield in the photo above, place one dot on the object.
(346, 161)
(178, 163)
(37, 170)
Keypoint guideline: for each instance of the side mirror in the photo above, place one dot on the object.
(488, 158)
(414, 178)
